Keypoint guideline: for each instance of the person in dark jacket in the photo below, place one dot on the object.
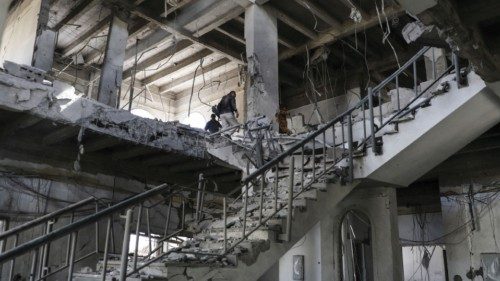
(213, 126)
(228, 112)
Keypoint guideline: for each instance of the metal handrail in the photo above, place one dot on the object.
(300, 146)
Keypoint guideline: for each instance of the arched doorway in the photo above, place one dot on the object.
(356, 247)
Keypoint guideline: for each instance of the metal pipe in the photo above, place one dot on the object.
(137, 234)
(37, 242)
(372, 118)
(343, 132)
(364, 121)
(71, 265)
(334, 146)
(261, 199)
(45, 218)
(434, 72)
(245, 206)
(224, 214)
(106, 249)
(125, 245)
(290, 201)
(183, 222)
(351, 148)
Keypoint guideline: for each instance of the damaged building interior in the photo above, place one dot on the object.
(314, 140)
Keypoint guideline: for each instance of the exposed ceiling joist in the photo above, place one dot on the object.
(191, 76)
(77, 11)
(178, 66)
(178, 30)
(157, 58)
(87, 36)
(333, 34)
(293, 23)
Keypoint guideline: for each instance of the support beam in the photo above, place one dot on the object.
(333, 34)
(177, 66)
(229, 16)
(293, 23)
(111, 73)
(87, 36)
(261, 33)
(188, 77)
(81, 8)
(165, 54)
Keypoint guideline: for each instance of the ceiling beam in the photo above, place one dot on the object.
(101, 26)
(177, 66)
(333, 34)
(319, 12)
(157, 58)
(60, 135)
(74, 14)
(238, 10)
(293, 23)
(177, 29)
(190, 76)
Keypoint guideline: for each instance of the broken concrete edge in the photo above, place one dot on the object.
(60, 104)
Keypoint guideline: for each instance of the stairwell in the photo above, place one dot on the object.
(243, 238)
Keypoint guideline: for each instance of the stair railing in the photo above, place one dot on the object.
(307, 147)
(39, 246)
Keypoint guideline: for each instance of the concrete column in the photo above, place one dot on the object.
(46, 40)
(261, 34)
(112, 68)
(435, 62)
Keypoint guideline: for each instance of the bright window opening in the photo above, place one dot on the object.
(142, 113)
(144, 246)
(195, 120)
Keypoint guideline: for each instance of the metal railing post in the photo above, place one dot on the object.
(372, 118)
(397, 93)
(290, 201)
(324, 151)
(198, 197)
(225, 222)
(137, 234)
(45, 252)
(261, 199)
(415, 78)
(351, 148)
(276, 186)
(245, 207)
(106, 249)
(148, 225)
(456, 63)
(167, 223)
(34, 261)
(125, 245)
(302, 161)
(72, 253)
(13, 262)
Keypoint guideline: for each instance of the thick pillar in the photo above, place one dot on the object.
(435, 63)
(261, 34)
(46, 40)
(112, 67)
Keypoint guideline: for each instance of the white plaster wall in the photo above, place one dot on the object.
(4, 6)
(328, 108)
(18, 38)
(310, 247)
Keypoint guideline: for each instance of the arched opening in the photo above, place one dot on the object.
(356, 247)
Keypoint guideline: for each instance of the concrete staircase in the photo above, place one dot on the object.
(287, 196)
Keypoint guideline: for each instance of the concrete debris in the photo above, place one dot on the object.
(413, 30)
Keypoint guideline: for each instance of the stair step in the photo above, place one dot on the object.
(403, 119)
